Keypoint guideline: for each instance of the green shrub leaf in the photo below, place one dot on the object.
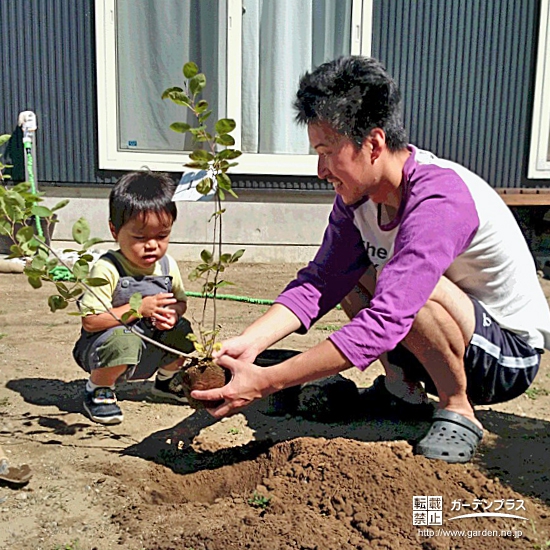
(190, 69)
(225, 125)
(135, 301)
(81, 231)
(180, 127)
(168, 91)
(57, 302)
(197, 83)
(225, 140)
(81, 269)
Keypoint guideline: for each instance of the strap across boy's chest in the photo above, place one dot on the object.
(146, 285)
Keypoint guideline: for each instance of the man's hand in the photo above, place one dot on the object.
(248, 383)
(238, 347)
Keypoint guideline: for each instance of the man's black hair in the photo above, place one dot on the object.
(353, 95)
(139, 193)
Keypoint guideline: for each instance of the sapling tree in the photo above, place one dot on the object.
(213, 155)
(20, 209)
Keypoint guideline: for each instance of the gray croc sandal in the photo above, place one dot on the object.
(452, 438)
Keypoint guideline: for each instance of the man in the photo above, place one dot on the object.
(426, 259)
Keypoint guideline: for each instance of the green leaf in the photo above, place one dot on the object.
(135, 301)
(4, 138)
(81, 269)
(81, 231)
(197, 83)
(95, 281)
(201, 165)
(38, 263)
(127, 316)
(224, 181)
(228, 154)
(201, 106)
(216, 214)
(179, 98)
(206, 256)
(190, 69)
(191, 337)
(180, 127)
(15, 252)
(225, 125)
(57, 302)
(63, 290)
(35, 282)
(204, 186)
(25, 234)
(225, 140)
(236, 255)
(87, 257)
(41, 211)
(89, 243)
(201, 154)
(224, 258)
(60, 205)
(221, 284)
(75, 293)
(208, 287)
(168, 91)
(204, 116)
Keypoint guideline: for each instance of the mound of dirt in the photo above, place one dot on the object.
(318, 494)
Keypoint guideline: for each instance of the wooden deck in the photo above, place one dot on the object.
(536, 196)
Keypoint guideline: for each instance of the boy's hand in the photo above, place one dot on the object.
(157, 308)
(166, 319)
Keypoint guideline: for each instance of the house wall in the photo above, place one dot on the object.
(466, 69)
(280, 229)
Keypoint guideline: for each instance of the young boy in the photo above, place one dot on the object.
(141, 215)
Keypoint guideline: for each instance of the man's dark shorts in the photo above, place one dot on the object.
(500, 365)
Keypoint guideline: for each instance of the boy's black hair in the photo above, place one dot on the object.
(139, 193)
(353, 95)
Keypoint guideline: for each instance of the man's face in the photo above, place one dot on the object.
(348, 168)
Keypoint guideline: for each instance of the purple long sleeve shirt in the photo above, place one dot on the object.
(450, 222)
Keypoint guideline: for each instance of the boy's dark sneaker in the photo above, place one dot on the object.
(170, 388)
(101, 406)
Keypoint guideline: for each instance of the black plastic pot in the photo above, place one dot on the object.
(6, 242)
(285, 401)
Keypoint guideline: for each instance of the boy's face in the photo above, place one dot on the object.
(143, 240)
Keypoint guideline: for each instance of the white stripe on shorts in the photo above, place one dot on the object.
(495, 351)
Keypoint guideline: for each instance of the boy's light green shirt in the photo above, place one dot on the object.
(106, 270)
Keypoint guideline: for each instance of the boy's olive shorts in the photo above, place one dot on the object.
(119, 346)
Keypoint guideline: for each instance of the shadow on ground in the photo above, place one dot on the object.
(515, 449)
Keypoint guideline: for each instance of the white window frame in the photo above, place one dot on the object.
(112, 158)
(539, 163)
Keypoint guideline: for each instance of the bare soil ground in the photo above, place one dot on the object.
(169, 477)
